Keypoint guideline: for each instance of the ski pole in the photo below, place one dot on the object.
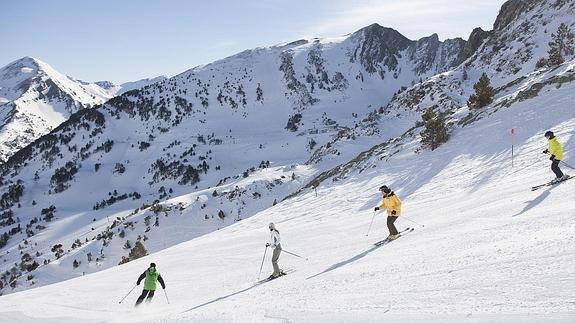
(373, 217)
(293, 254)
(262, 266)
(127, 294)
(166, 296)
(403, 216)
(568, 165)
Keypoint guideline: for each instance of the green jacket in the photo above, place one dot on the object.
(152, 276)
(554, 148)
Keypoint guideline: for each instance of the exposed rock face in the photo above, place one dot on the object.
(511, 10)
(475, 40)
(430, 54)
(380, 49)
(379, 45)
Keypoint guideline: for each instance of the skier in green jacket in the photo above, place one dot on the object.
(556, 151)
(151, 275)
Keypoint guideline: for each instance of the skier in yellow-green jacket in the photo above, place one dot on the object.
(151, 276)
(556, 151)
(392, 204)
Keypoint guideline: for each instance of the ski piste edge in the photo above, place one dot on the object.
(536, 187)
(386, 241)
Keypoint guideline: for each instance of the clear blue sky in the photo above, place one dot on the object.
(126, 40)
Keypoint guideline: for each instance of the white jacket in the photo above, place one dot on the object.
(275, 236)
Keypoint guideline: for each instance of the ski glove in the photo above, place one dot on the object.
(376, 208)
(393, 212)
(545, 151)
(552, 158)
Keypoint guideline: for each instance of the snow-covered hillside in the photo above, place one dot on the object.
(491, 249)
(218, 143)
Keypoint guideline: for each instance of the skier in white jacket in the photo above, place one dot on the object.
(277, 247)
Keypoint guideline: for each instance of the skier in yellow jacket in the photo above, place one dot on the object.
(556, 151)
(392, 204)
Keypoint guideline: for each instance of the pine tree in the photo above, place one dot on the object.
(138, 251)
(484, 93)
(435, 132)
(561, 45)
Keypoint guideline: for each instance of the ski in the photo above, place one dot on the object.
(283, 273)
(386, 241)
(534, 188)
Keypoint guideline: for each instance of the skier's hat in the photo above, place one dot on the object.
(153, 265)
(385, 189)
(272, 226)
(549, 134)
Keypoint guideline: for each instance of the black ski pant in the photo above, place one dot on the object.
(390, 225)
(145, 292)
(555, 168)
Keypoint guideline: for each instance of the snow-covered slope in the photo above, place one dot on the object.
(35, 98)
(491, 250)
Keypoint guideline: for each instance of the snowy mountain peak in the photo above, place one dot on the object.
(26, 61)
(378, 42)
(35, 98)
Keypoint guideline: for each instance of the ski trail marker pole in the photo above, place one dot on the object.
(166, 296)
(512, 145)
(262, 265)
(293, 254)
(127, 294)
(403, 216)
(373, 217)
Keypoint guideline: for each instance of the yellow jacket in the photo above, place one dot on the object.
(391, 202)
(554, 148)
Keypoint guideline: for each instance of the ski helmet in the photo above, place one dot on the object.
(153, 265)
(549, 134)
(272, 226)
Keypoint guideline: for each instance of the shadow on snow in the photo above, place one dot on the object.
(346, 262)
(225, 297)
(536, 201)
